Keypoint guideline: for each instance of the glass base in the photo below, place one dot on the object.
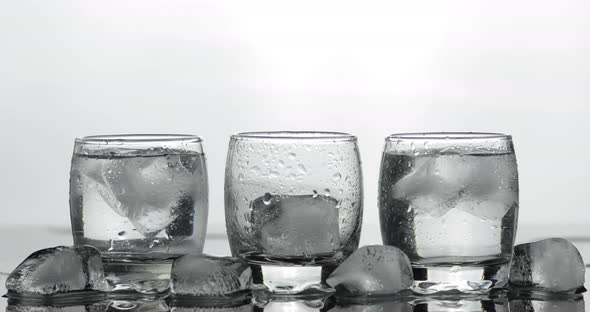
(293, 281)
(138, 276)
(470, 279)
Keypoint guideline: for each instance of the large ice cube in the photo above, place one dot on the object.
(552, 265)
(483, 185)
(57, 270)
(372, 270)
(145, 189)
(298, 225)
(209, 276)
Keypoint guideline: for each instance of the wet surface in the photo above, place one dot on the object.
(33, 238)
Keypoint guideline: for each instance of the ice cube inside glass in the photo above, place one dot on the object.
(293, 204)
(139, 196)
(450, 202)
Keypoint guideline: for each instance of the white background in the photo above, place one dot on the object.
(371, 68)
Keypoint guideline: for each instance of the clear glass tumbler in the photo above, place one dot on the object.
(139, 199)
(450, 202)
(293, 206)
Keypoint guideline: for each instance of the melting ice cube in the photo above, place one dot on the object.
(374, 269)
(57, 270)
(552, 265)
(209, 276)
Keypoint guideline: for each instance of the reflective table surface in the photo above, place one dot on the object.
(20, 241)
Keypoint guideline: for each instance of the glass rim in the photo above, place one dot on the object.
(295, 135)
(447, 136)
(138, 138)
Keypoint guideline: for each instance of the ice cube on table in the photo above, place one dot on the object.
(57, 270)
(550, 265)
(208, 276)
(373, 270)
(297, 225)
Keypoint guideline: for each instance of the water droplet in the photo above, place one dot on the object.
(301, 168)
(122, 234)
(281, 163)
(337, 176)
(241, 177)
(274, 174)
(154, 243)
(255, 169)
(291, 155)
(315, 194)
(340, 191)
(338, 204)
(267, 199)
(327, 191)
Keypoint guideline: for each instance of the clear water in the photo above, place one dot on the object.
(450, 209)
(140, 204)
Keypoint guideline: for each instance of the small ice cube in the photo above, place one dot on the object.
(298, 225)
(374, 269)
(57, 270)
(209, 276)
(551, 265)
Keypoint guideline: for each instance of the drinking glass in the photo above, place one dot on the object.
(293, 206)
(139, 199)
(450, 202)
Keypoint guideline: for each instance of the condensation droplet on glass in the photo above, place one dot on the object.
(281, 163)
(241, 177)
(338, 204)
(255, 169)
(337, 176)
(301, 168)
(274, 174)
(267, 198)
(122, 234)
(315, 194)
(292, 155)
(331, 154)
(340, 191)
(327, 192)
